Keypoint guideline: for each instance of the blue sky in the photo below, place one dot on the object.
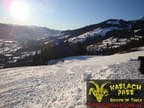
(71, 14)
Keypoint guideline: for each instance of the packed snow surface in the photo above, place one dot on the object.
(63, 85)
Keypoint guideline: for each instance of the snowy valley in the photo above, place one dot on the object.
(31, 45)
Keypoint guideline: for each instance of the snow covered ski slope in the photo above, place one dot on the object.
(63, 85)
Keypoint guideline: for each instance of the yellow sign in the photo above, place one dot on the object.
(99, 91)
(115, 93)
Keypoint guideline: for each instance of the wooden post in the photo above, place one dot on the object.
(141, 59)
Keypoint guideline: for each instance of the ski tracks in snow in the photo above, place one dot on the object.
(62, 85)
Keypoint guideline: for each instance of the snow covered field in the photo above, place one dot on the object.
(63, 85)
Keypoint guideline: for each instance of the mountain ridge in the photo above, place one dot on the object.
(53, 32)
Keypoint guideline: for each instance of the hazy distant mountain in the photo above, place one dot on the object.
(16, 32)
